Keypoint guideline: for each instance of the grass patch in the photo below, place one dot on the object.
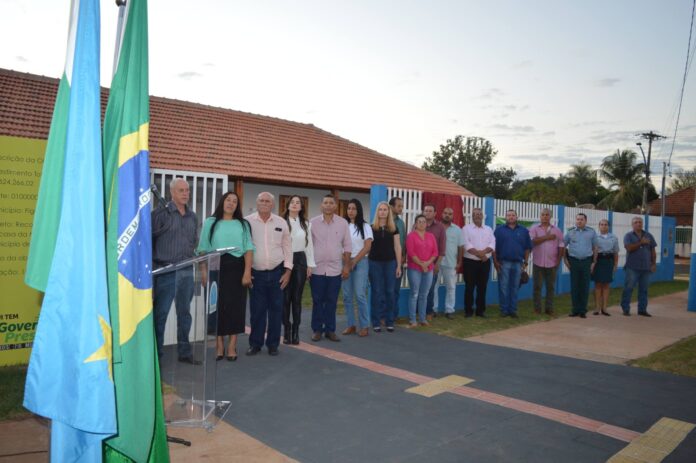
(679, 358)
(461, 327)
(12, 385)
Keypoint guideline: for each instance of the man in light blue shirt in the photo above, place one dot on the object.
(581, 248)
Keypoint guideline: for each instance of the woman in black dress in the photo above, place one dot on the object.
(227, 228)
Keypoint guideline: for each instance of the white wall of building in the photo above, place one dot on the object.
(251, 191)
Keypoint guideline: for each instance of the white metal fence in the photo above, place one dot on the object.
(205, 191)
(206, 188)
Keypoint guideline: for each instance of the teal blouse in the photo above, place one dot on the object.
(227, 233)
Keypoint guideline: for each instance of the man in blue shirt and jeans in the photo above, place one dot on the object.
(640, 263)
(512, 247)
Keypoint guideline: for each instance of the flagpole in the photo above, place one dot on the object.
(121, 4)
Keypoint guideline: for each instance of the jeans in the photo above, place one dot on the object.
(449, 278)
(476, 274)
(642, 279)
(177, 287)
(430, 308)
(355, 287)
(508, 285)
(420, 283)
(382, 285)
(266, 307)
(324, 296)
(544, 275)
(580, 283)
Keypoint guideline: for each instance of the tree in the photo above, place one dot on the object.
(683, 179)
(581, 185)
(626, 180)
(466, 161)
(539, 190)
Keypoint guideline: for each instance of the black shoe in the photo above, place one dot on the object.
(573, 314)
(627, 314)
(253, 350)
(295, 338)
(286, 337)
(513, 315)
(273, 351)
(377, 329)
(644, 314)
(449, 316)
(468, 315)
(189, 360)
(481, 315)
(582, 315)
(390, 329)
(231, 358)
(219, 357)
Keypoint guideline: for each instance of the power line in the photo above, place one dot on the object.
(689, 58)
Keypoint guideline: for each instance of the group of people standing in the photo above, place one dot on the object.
(589, 256)
(272, 257)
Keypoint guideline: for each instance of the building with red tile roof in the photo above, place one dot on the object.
(246, 148)
(679, 204)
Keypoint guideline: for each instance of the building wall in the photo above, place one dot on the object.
(251, 190)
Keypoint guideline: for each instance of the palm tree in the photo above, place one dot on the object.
(581, 184)
(625, 177)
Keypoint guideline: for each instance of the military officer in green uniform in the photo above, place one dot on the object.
(581, 247)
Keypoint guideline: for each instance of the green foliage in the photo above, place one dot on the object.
(683, 179)
(466, 161)
(626, 179)
(579, 186)
(12, 384)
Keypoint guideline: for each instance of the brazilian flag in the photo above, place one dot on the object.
(141, 432)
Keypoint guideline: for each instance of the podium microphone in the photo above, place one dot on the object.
(160, 200)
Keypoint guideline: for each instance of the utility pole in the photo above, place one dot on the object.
(664, 174)
(650, 136)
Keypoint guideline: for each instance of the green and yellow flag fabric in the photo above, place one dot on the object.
(141, 432)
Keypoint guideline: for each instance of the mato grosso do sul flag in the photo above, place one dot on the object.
(69, 379)
(141, 432)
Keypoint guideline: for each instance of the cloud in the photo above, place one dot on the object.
(522, 64)
(500, 116)
(209, 65)
(491, 93)
(550, 133)
(587, 124)
(21, 59)
(513, 128)
(615, 136)
(188, 75)
(608, 82)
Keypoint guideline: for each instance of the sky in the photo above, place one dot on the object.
(549, 83)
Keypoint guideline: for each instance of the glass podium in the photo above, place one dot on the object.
(187, 358)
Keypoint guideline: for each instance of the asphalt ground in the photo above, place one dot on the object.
(313, 408)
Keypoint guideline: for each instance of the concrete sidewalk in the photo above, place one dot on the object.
(616, 339)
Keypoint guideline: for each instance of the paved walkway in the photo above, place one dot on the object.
(411, 396)
(616, 339)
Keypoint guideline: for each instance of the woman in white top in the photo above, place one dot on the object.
(355, 286)
(302, 265)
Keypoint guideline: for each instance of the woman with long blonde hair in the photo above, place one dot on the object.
(385, 267)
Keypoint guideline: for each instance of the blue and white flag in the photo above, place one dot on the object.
(69, 379)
